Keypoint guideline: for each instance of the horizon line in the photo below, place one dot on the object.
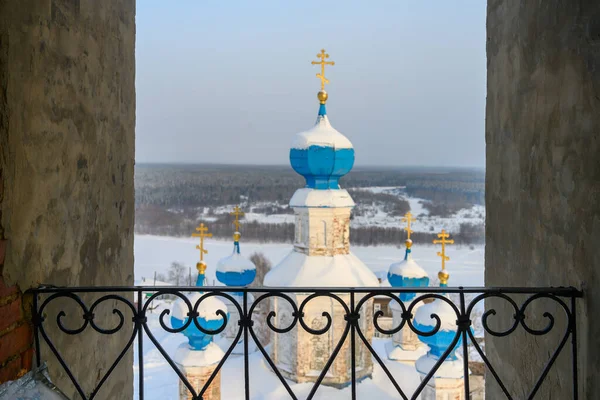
(184, 163)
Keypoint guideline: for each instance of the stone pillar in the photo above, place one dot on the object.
(67, 138)
(543, 184)
(198, 366)
(405, 345)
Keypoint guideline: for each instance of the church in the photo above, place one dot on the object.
(321, 257)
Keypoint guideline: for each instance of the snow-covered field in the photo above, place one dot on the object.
(370, 214)
(374, 215)
(156, 253)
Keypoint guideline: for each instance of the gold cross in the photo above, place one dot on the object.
(443, 241)
(408, 218)
(202, 233)
(322, 55)
(238, 213)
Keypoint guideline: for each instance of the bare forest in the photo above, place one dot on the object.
(172, 199)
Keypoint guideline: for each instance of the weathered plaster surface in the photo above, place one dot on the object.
(543, 181)
(322, 231)
(67, 156)
(301, 356)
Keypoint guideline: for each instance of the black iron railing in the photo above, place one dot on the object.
(463, 301)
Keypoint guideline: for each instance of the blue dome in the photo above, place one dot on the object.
(236, 270)
(197, 339)
(243, 278)
(439, 342)
(207, 318)
(407, 273)
(322, 155)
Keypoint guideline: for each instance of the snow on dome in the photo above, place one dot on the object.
(408, 269)
(322, 134)
(322, 155)
(307, 197)
(188, 357)
(440, 308)
(207, 308)
(235, 263)
(298, 269)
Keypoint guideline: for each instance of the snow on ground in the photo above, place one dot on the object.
(374, 215)
(270, 219)
(156, 253)
(161, 381)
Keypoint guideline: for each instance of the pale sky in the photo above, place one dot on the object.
(231, 81)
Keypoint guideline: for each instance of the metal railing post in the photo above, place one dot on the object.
(245, 326)
(353, 346)
(138, 326)
(464, 327)
(573, 327)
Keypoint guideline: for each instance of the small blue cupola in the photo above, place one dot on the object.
(407, 273)
(425, 319)
(236, 270)
(212, 314)
(424, 322)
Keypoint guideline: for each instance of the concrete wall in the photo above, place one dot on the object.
(67, 120)
(543, 179)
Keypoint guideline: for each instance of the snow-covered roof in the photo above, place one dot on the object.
(207, 309)
(440, 308)
(299, 269)
(408, 269)
(235, 263)
(322, 134)
(188, 357)
(333, 198)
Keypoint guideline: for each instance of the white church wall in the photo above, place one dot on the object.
(322, 231)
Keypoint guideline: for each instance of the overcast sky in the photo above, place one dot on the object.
(231, 81)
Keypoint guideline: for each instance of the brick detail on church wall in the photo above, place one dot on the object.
(16, 340)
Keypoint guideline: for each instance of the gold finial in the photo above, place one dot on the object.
(323, 56)
(238, 213)
(408, 218)
(201, 267)
(443, 240)
(202, 233)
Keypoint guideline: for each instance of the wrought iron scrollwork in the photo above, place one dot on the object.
(353, 312)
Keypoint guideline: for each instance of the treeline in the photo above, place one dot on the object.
(215, 185)
(459, 190)
(157, 221)
(393, 205)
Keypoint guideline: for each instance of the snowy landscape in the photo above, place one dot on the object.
(156, 253)
(166, 215)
